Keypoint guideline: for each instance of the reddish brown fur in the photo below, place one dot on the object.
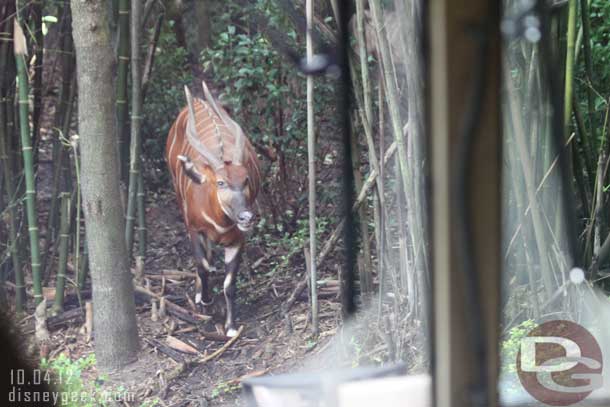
(193, 198)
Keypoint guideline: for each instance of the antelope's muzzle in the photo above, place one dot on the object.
(245, 220)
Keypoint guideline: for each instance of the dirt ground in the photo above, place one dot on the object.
(170, 371)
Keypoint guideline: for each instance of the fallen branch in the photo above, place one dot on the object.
(213, 336)
(222, 349)
(174, 309)
(166, 350)
(55, 322)
(180, 345)
(334, 236)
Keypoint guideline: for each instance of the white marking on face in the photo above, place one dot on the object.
(230, 253)
(244, 228)
(219, 229)
(231, 333)
(224, 209)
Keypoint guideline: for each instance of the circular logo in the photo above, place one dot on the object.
(560, 363)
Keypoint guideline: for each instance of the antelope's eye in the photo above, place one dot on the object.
(220, 183)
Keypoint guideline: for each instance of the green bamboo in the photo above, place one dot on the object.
(136, 122)
(569, 69)
(141, 216)
(28, 161)
(64, 237)
(60, 154)
(586, 29)
(6, 131)
(63, 113)
(37, 11)
(121, 93)
(20, 296)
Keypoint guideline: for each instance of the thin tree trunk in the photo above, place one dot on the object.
(312, 174)
(116, 338)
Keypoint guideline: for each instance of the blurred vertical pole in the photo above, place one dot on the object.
(312, 172)
(465, 139)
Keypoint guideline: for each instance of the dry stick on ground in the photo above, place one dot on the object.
(58, 321)
(334, 236)
(163, 348)
(174, 309)
(222, 349)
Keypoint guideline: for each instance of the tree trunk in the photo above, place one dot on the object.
(116, 337)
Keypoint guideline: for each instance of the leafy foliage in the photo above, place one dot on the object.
(164, 99)
(510, 346)
(266, 95)
(73, 388)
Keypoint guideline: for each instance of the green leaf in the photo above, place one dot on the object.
(49, 19)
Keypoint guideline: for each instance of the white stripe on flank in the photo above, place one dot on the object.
(171, 147)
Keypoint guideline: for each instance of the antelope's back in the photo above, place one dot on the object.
(215, 136)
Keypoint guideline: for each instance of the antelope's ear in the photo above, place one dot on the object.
(190, 170)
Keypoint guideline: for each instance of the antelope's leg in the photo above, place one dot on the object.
(232, 259)
(203, 266)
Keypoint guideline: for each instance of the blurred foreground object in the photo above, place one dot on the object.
(334, 388)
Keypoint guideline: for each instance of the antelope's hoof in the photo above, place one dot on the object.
(231, 332)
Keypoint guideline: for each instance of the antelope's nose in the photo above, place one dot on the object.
(245, 217)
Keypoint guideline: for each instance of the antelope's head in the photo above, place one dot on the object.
(229, 181)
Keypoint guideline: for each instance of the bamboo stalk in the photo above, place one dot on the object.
(38, 67)
(84, 267)
(150, 55)
(311, 161)
(6, 131)
(364, 265)
(336, 233)
(367, 121)
(121, 98)
(391, 92)
(569, 69)
(136, 120)
(586, 29)
(141, 216)
(67, 93)
(28, 160)
(64, 237)
(519, 133)
(20, 297)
